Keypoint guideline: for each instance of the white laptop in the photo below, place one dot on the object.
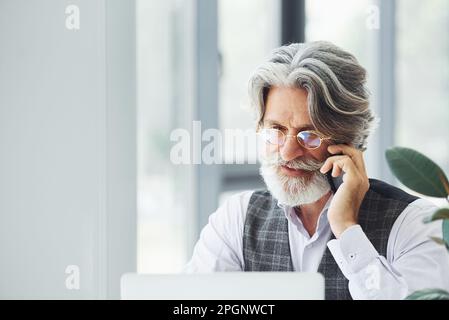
(223, 286)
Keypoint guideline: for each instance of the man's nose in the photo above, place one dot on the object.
(291, 149)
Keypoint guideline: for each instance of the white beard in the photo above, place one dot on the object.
(294, 191)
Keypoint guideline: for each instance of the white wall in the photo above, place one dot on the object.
(67, 148)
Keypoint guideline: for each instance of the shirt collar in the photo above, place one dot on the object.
(290, 213)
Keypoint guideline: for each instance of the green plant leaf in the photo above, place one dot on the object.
(417, 172)
(438, 240)
(440, 214)
(441, 242)
(429, 294)
(446, 232)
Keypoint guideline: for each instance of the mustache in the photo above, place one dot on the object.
(307, 164)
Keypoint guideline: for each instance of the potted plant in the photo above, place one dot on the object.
(422, 175)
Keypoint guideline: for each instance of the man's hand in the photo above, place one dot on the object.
(345, 205)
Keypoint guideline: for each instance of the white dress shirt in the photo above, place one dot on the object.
(413, 260)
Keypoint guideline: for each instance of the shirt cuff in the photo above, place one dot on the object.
(352, 251)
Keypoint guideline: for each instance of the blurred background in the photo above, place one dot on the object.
(86, 117)
(398, 42)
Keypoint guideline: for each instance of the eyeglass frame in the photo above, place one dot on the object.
(320, 136)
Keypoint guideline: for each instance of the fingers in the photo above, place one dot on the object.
(336, 171)
(339, 164)
(354, 154)
(329, 163)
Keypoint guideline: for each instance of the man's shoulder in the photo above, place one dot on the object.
(241, 197)
(261, 194)
(247, 196)
(394, 203)
(387, 191)
(239, 203)
(236, 203)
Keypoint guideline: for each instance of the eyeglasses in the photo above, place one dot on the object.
(309, 139)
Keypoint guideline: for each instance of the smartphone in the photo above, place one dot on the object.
(334, 182)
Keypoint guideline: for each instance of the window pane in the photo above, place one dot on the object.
(248, 31)
(423, 78)
(163, 192)
(346, 23)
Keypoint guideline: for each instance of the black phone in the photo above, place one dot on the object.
(334, 182)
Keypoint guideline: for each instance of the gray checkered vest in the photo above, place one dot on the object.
(266, 243)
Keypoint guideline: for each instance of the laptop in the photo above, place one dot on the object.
(223, 286)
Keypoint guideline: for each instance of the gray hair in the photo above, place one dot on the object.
(337, 97)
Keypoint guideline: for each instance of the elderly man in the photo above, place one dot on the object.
(366, 237)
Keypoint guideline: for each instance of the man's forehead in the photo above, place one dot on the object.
(288, 107)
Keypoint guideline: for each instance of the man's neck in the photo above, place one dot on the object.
(309, 213)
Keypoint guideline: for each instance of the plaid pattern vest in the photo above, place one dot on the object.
(266, 242)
